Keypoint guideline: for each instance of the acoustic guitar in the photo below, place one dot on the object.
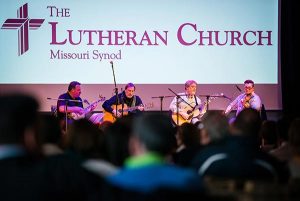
(87, 110)
(192, 112)
(108, 116)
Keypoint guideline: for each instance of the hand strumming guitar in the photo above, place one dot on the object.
(184, 115)
(116, 113)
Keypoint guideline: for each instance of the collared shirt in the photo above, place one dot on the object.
(182, 106)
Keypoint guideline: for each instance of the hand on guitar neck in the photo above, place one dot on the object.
(117, 111)
(84, 111)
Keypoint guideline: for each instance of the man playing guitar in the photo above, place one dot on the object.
(187, 112)
(117, 106)
(74, 104)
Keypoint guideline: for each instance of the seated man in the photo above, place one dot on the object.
(248, 99)
(125, 103)
(147, 172)
(189, 108)
(70, 104)
(238, 156)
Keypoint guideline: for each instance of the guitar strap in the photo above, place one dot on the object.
(133, 101)
(196, 100)
(197, 117)
(122, 102)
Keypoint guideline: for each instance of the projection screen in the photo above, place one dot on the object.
(157, 45)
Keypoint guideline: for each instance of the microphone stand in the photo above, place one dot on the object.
(161, 100)
(122, 108)
(116, 89)
(66, 108)
(209, 96)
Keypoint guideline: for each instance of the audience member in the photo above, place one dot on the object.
(268, 136)
(19, 172)
(214, 128)
(49, 135)
(283, 151)
(239, 157)
(188, 144)
(116, 138)
(146, 172)
(86, 143)
(294, 141)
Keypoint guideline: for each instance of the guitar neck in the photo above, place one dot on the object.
(86, 110)
(129, 109)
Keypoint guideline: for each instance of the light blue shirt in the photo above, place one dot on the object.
(9, 151)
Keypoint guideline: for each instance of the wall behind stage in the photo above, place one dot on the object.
(154, 44)
(92, 91)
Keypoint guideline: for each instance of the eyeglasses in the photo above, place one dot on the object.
(248, 88)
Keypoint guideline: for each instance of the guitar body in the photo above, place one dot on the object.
(192, 112)
(111, 117)
(182, 120)
(77, 116)
(107, 116)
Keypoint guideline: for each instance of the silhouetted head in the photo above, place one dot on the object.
(156, 133)
(214, 127)
(18, 116)
(188, 134)
(294, 136)
(247, 123)
(85, 139)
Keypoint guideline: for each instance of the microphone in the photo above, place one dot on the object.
(112, 64)
(86, 101)
(224, 96)
(238, 88)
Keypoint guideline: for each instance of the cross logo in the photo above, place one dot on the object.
(22, 23)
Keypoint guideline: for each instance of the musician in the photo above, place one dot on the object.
(248, 99)
(74, 105)
(125, 99)
(189, 96)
